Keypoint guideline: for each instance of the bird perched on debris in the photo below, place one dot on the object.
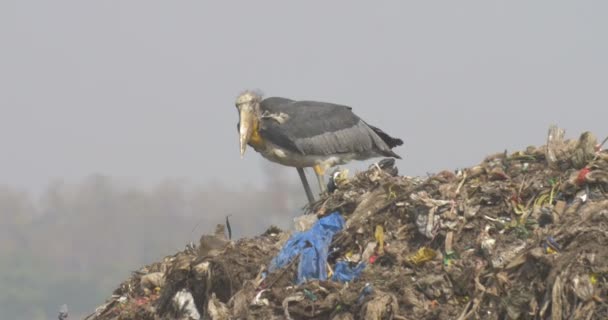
(308, 134)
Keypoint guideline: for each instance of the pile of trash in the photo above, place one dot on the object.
(522, 235)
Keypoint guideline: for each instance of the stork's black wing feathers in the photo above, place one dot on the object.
(390, 141)
(319, 128)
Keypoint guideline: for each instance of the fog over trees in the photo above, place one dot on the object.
(76, 242)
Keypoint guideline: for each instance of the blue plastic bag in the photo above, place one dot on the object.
(313, 246)
(344, 272)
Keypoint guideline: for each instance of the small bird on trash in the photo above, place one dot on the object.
(307, 133)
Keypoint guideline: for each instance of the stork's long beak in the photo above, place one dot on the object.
(246, 127)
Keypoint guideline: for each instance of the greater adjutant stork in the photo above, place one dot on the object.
(304, 134)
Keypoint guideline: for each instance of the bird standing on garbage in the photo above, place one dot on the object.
(308, 134)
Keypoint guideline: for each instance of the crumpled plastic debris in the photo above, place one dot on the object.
(379, 235)
(312, 246)
(345, 272)
(366, 291)
(184, 300)
(551, 246)
(423, 255)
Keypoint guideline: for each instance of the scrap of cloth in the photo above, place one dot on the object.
(313, 247)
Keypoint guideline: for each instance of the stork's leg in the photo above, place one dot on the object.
(309, 195)
(320, 171)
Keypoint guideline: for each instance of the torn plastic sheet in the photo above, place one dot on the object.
(313, 246)
(344, 272)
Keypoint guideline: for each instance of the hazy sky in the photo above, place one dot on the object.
(145, 90)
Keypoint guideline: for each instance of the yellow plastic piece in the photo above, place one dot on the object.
(380, 239)
(593, 278)
(423, 255)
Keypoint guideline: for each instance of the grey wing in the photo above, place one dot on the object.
(345, 140)
(317, 128)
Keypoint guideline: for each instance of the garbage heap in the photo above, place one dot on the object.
(522, 235)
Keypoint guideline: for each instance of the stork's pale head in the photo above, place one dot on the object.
(247, 104)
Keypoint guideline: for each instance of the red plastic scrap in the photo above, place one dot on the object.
(582, 176)
(372, 259)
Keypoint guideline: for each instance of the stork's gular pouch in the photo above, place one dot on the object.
(246, 123)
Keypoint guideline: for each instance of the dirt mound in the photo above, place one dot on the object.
(519, 236)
